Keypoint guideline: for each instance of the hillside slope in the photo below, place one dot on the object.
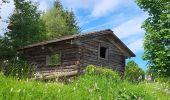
(85, 87)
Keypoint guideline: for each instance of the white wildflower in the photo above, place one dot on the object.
(27, 80)
(69, 80)
(95, 86)
(161, 84)
(19, 90)
(74, 88)
(56, 79)
(167, 91)
(46, 85)
(11, 90)
(76, 84)
(90, 90)
(58, 90)
(140, 98)
(100, 98)
(24, 90)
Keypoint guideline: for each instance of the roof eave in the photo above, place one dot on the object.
(129, 53)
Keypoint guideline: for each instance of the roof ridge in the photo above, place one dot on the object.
(96, 31)
(63, 38)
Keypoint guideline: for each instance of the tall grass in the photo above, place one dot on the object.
(91, 86)
(18, 69)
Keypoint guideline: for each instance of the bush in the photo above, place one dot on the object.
(90, 69)
(104, 72)
(1, 68)
(162, 79)
(18, 69)
(133, 72)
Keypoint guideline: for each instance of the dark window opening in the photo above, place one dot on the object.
(103, 52)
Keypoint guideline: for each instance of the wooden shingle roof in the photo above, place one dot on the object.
(114, 39)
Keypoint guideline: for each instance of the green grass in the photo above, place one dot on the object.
(85, 87)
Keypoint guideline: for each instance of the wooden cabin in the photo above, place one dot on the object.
(100, 48)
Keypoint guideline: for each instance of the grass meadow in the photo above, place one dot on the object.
(84, 87)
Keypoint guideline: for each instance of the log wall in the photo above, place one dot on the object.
(90, 53)
(83, 49)
(68, 53)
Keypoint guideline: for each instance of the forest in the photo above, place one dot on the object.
(28, 25)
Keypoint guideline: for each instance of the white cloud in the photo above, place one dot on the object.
(136, 46)
(130, 27)
(92, 9)
(105, 7)
(79, 4)
(109, 24)
(97, 8)
(43, 4)
(131, 32)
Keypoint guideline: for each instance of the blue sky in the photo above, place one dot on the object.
(124, 17)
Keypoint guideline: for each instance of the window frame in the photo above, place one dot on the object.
(106, 54)
(48, 58)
